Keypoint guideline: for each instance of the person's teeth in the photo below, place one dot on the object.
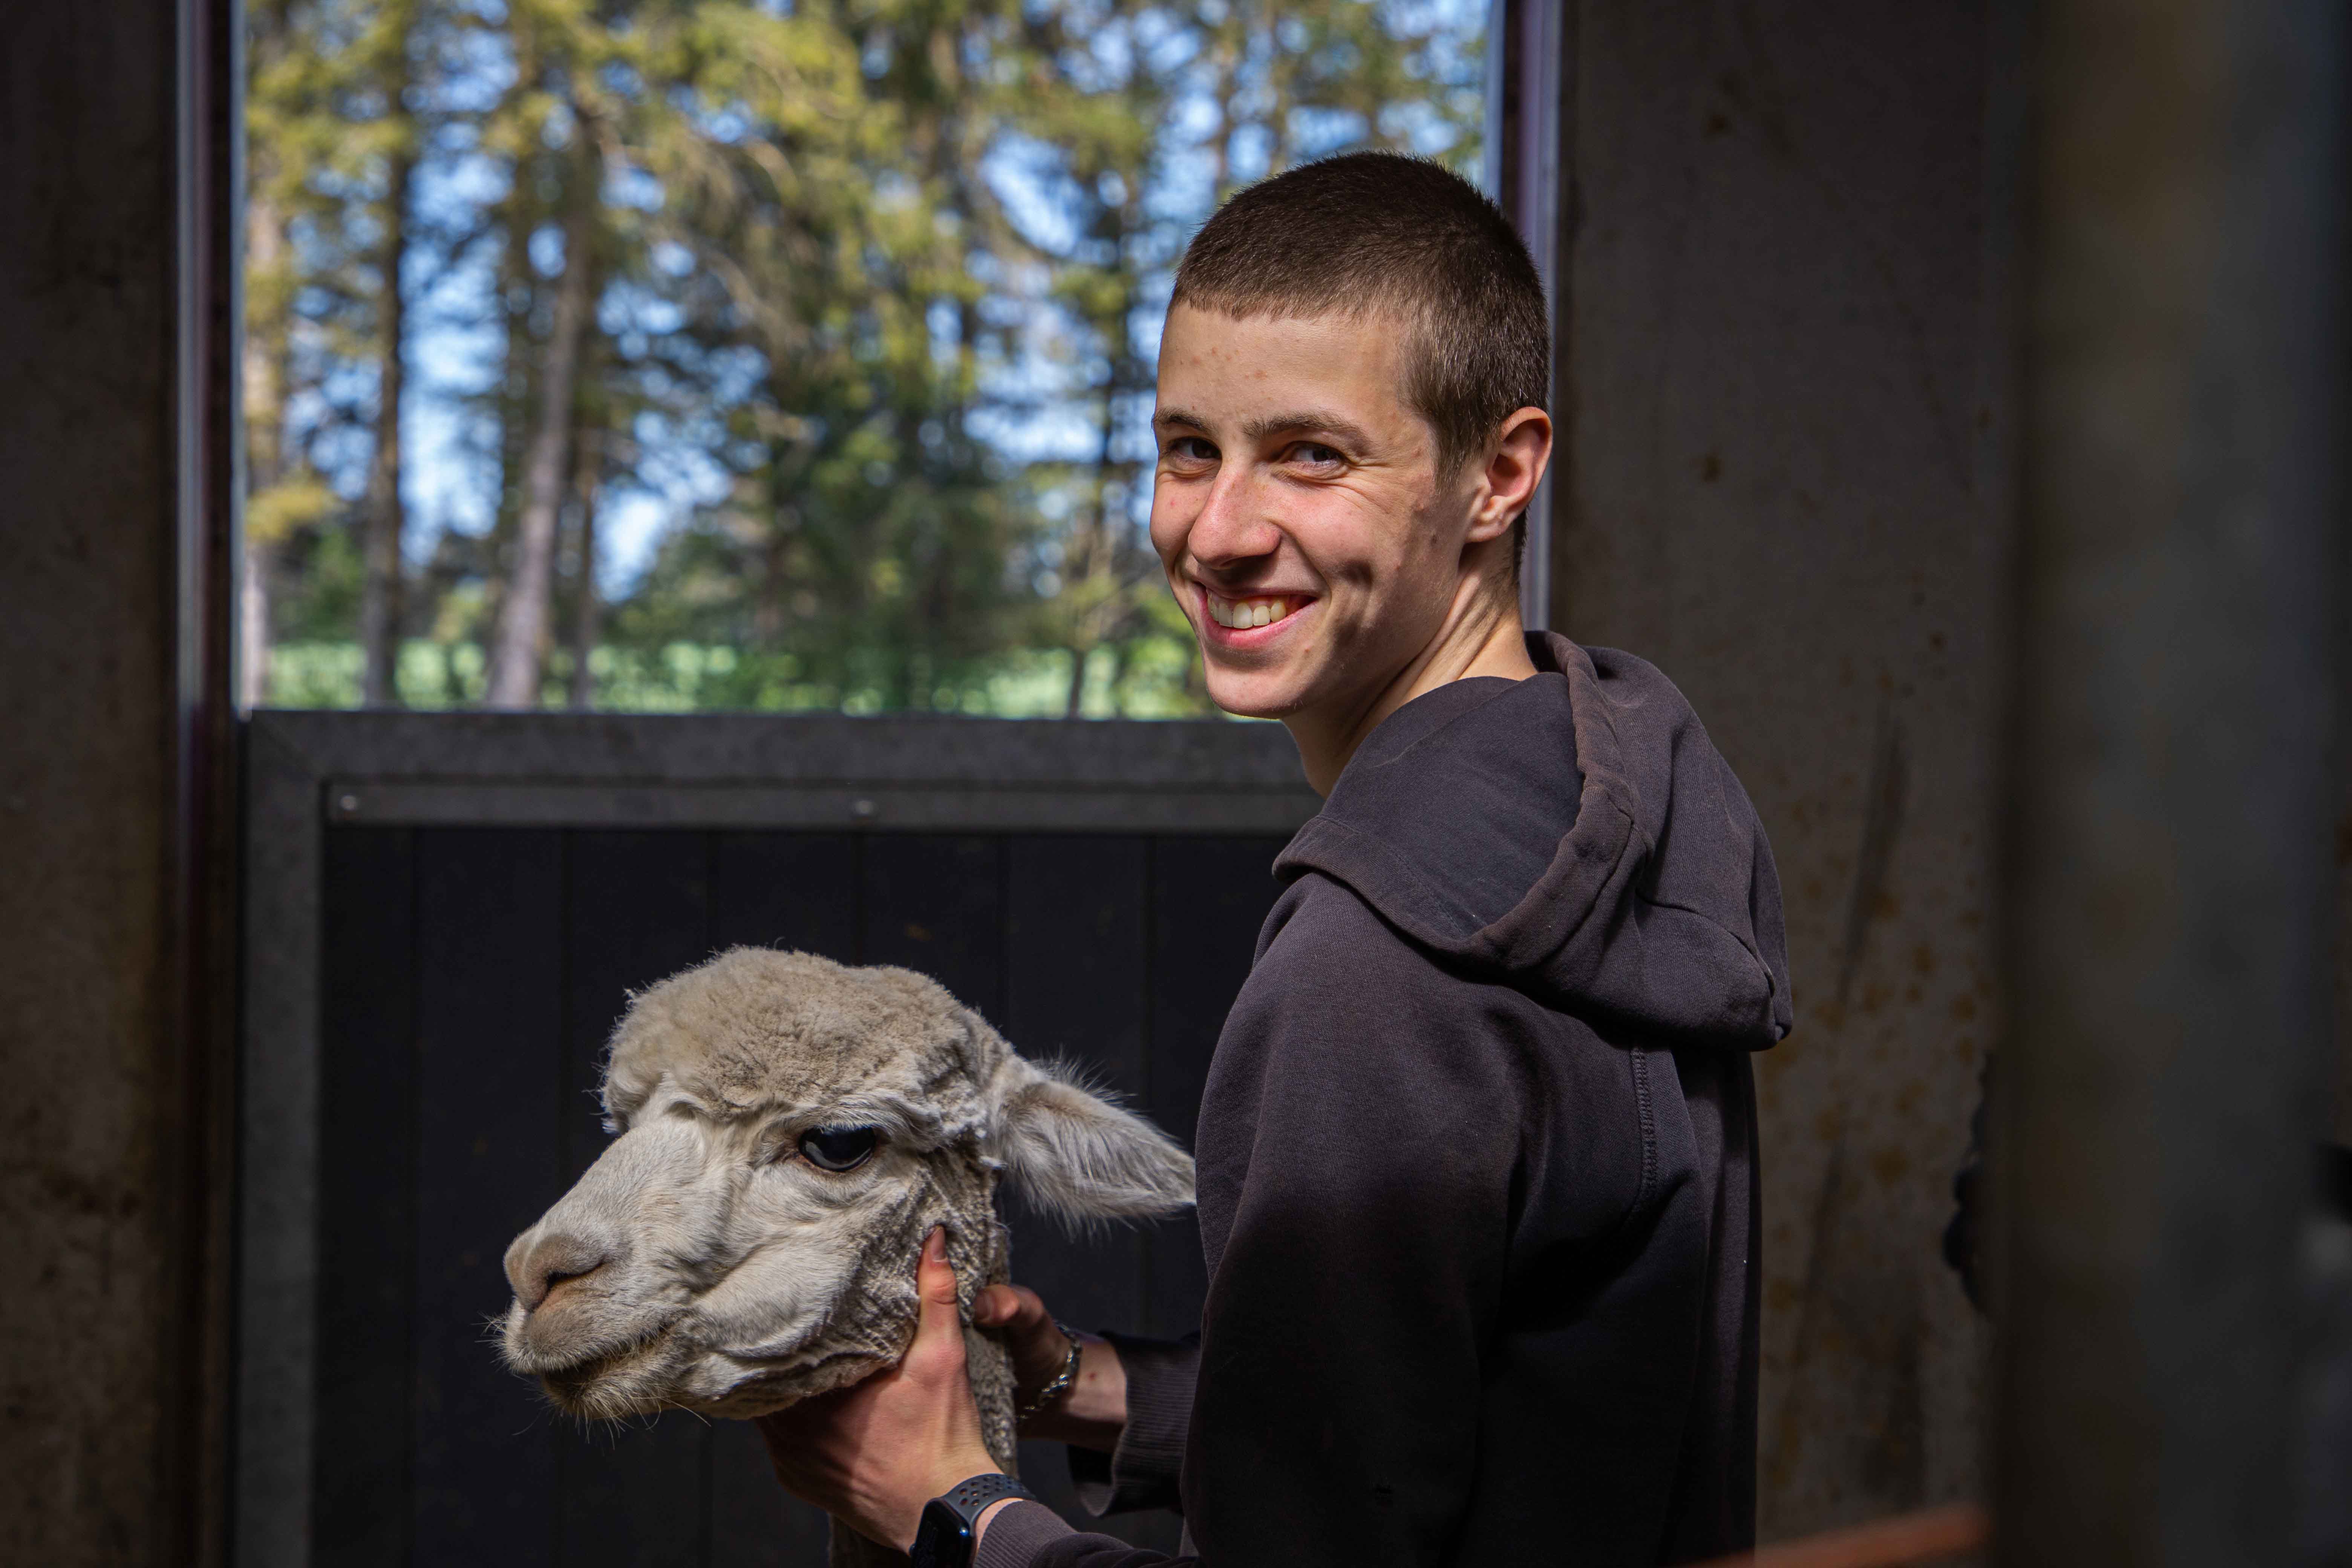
(1243, 615)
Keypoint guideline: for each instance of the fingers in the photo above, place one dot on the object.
(1021, 1323)
(1007, 1307)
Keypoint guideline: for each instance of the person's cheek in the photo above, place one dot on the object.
(1170, 523)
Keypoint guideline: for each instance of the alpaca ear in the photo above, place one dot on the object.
(1076, 1154)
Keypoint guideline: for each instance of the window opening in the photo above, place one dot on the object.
(778, 354)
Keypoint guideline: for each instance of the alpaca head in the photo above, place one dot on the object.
(789, 1131)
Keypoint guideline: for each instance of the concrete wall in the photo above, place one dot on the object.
(1785, 482)
(109, 1333)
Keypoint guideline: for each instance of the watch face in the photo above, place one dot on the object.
(942, 1539)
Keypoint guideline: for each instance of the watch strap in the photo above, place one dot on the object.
(944, 1538)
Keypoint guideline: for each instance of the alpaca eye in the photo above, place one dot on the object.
(838, 1148)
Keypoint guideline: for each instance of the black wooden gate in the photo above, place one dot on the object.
(445, 915)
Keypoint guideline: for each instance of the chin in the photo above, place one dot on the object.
(634, 1380)
(1254, 698)
(1242, 707)
(1253, 691)
(727, 1392)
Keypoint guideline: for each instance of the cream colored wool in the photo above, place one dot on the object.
(704, 1262)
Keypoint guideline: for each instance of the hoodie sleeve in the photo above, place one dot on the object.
(1141, 1472)
(1360, 1140)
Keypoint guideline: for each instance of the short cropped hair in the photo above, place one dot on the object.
(1371, 232)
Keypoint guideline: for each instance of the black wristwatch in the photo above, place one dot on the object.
(943, 1538)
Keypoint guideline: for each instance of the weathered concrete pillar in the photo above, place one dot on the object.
(113, 739)
(1783, 393)
(2170, 852)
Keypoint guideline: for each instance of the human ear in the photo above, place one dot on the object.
(1515, 466)
(1076, 1154)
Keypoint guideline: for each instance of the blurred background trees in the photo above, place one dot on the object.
(757, 354)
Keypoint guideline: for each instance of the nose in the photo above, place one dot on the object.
(1232, 528)
(537, 1265)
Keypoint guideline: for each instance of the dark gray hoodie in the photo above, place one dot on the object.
(1477, 1161)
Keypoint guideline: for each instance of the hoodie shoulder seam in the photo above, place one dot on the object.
(1395, 864)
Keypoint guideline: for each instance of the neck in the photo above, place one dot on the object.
(1482, 635)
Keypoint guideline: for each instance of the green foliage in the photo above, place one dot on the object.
(883, 275)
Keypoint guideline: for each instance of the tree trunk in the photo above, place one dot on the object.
(1118, 682)
(379, 591)
(264, 392)
(769, 608)
(518, 386)
(585, 608)
(1100, 615)
(517, 657)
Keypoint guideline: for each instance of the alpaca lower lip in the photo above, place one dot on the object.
(581, 1374)
(582, 1369)
(611, 1387)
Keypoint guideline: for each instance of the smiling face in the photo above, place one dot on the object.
(789, 1131)
(1304, 519)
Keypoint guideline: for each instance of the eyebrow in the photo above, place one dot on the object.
(1306, 421)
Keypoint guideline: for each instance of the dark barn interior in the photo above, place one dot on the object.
(1951, 400)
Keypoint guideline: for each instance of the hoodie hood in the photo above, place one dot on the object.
(1575, 835)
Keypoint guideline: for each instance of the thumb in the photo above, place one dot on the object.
(935, 1283)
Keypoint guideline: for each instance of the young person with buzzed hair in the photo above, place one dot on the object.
(1478, 1152)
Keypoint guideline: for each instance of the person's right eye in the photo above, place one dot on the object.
(1191, 449)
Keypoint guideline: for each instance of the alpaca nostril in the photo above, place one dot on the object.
(553, 1260)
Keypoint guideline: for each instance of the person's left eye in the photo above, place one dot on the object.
(839, 1148)
(1315, 454)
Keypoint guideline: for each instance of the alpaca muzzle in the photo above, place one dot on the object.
(550, 1263)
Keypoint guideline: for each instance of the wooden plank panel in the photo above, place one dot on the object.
(489, 1161)
(636, 911)
(754, 1523)
(1074, 964)
(793, 890)
(801, 891)
(367, 1199)
(934, 902)
(1208, 898)
(1073, 959)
